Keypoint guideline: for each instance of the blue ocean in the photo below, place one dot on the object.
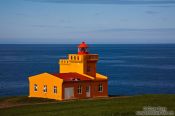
(132, 69)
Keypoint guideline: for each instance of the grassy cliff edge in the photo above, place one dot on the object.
(111, 106)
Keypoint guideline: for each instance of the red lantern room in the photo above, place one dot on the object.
(82, 48)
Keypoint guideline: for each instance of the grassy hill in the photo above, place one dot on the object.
(112, 106)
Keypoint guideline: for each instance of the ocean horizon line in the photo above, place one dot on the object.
(88, 43)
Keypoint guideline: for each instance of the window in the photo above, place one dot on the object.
(45, 89)
(88, 68)
(79, 89)
(35, 87)
(55, 89)
(100, 87)
(87, 88)
(74, 57)
(77, 57)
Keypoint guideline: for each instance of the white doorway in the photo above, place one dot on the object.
(88, 91)
(69, 93)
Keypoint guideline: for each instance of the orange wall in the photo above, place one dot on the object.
(50, 81)
(74, 63)
(79, 63)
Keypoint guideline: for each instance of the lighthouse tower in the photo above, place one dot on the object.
(83, 62)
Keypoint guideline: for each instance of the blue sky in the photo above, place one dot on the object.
(93, 21)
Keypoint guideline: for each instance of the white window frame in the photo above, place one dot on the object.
(45, 89)
(55, 89)
(100, 87)
(35, 87)
(79, 89)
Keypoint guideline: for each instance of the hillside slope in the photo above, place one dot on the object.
(112, 106)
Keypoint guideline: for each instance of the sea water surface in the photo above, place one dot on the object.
(132, 69)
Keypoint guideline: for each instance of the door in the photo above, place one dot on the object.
(88, 91)
(68, 93)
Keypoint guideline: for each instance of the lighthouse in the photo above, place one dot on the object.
(82, 62)
(77, 78)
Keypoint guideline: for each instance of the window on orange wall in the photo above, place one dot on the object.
(45, 89)
(100, 87)
(35, 87)
(55, 89)
(79, 89)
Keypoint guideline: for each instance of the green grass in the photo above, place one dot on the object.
(24, 100)
(121, 106)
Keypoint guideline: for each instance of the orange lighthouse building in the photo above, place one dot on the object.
(77, 79)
